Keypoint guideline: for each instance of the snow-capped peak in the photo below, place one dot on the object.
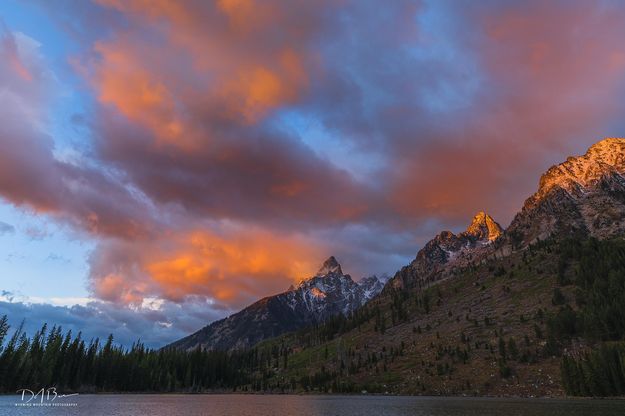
(330, 292)
(372, 285)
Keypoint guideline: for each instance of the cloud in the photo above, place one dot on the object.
(92, 199)
(230, 146)
(37, 233)
(231, 266)
(471, 109)
(154, 326)
(6, 228)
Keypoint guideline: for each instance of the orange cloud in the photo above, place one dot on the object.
(258, 90)
(231, 268)
(118, 287)
(207, 64)
(123, 81)
(240, 12)
(225, 269)
(151, 8)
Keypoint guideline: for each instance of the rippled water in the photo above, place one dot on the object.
(285, 405)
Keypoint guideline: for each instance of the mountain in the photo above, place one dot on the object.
(447, 250)
(533, 310)
(326, 294)
(583, 195)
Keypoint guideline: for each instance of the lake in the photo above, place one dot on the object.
(292, 405)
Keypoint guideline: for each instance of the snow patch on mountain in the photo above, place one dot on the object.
(330, 291)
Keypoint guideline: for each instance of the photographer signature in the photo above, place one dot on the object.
(48, 395)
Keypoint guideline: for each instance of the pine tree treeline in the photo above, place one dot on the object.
(54, 358)
(599, 373)
(598, 274)
(597, 271)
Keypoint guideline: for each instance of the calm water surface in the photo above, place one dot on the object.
(248, 405)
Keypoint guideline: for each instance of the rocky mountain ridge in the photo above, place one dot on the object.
(535, 310)
(584, 194)
(326, 294)
(447, 250)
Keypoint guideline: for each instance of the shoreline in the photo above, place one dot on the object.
(312, 394)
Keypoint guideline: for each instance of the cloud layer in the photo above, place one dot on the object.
(232, 145)
(155, 323)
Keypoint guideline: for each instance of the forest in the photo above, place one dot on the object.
(52, 357)
(596, 317)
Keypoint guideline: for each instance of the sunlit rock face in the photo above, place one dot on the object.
(314, 300)
(584, 194)
(484, 227)
(448, 250)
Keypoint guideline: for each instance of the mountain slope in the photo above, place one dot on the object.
(498, 328)
(314, 300)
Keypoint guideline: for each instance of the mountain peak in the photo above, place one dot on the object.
(331, 265)
(608, 145)
(604, 157)
(583, 194)
(484, 227)
(610, 152)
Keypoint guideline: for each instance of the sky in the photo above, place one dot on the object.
(165, 163)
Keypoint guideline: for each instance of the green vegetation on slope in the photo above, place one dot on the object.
(500, 327)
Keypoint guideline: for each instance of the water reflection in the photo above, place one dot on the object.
(266, 405)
